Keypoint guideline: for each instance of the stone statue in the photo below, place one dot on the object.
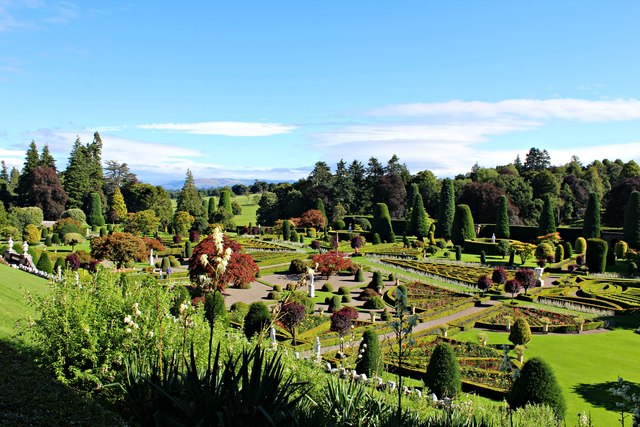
(317, 348)
(59, 272)
(312, 288)
(25, 247)
(151, 260)
(493, 238)
(10, 243)
(272, 336)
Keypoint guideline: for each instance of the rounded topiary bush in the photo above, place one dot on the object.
(327, 287)
(559, 255)
(443, 372)
(537, 384)
(376, 281)
(59, 263)
(346, 298)
(297, 266)
(359, 276)
(165, 264)
(257, 318)
(343, 290)
(294, 236)
(188, 249)
(374, 303)
(44, 263)
(335, 304)
(214, 308)
(75, 214)
(544, 251)
(581, 245)
(277, 288)
(339, 225)
(274, 295)
(621, 247)
(174, 262)
(370, 360)
(48, 241)
(368, 293)
(375, 240)
(568, 250)
(520, 332)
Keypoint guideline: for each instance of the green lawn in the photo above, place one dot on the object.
(12, 304)
(249, 207)
(586, 366)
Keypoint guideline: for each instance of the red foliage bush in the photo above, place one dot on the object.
(331, 262)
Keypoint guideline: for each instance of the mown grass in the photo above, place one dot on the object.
(586, 365)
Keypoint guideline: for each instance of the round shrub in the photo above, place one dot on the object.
(327, 287)
(367, 294)
(240, 307)
(346, 298)
(370, 360)
(374, 303)
(257, 318)
(277, 288)
(335, 304)
(311, 232)
(499, 275)
(443, 372)
(596, 257)
(45, 233)
(293, 237)
(339, 225)
(520, 332)
(343, 290)
(544, 251)
(297, 266)
(177, 238)
(359, 276)
(376, 281)
(621, 249)
(537, 384)
(75, 214)
(214, 308)
(273, 295)
(31, 234)
(581, 245)
(59, 263)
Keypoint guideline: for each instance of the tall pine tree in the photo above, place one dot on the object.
(502, 219)
(189, 199)
(446, 209)
(25, 182)
(94, 216)
(76, 180)
(591, 225)
(118, 207)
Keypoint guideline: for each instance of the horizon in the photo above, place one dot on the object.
(263, 91)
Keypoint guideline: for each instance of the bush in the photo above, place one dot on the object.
(499, 275)
(621, 248)
(375, 240)
(188, 249)
(273, 295)
(44, 263)
(458, 249)
(376, 281)
(370, 360)
(174, 262)
(368, 293)
(103, 231)
(346, 298)
(343, 290)
(520, 332)
(443, 372)
(327, 287)
(596, 257)
(48, 241)
(537, 384)
(31, 234)
(257, 318)
(59, 263)
(277, 288)
(386, 316)
(339, 225)
(374, 303)
(568, 250)
(297, 266)
(335, 304)
(544, 251)
(463, 226)
(214, 308)
(382, 223)
(483, 257)
(581, 245)
(559, 255)
(75, 214)
(95, 210)
(359, 276)
(45, 233)
(311, 232)
(294, 236)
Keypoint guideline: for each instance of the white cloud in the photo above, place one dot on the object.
(223, 128)
(564, 109)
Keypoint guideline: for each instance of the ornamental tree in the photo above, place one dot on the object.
(341, 323)
(182, 222)
(331, 262)
(547, 221)
(381, 223)
(313, 218)
(142, 223)
(357, 242)
(502, 219)
(596, 256)
(632, 221)
(95, 216)
(526, 277)
(499, 275)
(512, 286)
(216, 262)
(463, 226)
(484, 282)
(591, 225)
(291, 315)
(119, 248)
(520, 332)
(446, 209)
(257, 319)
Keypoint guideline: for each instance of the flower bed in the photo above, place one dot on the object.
(460, 273)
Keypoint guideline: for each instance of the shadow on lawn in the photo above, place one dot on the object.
(629, 321)
(599, 395)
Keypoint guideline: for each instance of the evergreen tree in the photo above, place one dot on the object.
(225, 201)
(381, 223)
(537, 384)
(189, 199)
(419, 222)
(94, 166)
(591, 225)
(95, 216)
(632, 221)
(370, 355)
(596, 256)
(446, 210)
(214, 308)
(44, 263)
(320, 206)
(76, 180)
(502, 219)
(118, 207)
(46, 159)
(25, 181)
(286, 229)
(463, 226)
(256, 319)
(547, 222)
(443, 372)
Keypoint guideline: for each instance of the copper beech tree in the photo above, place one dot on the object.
(217, 261)
(331, 262)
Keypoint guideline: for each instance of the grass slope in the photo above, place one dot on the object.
(586, 366)
(13, 284)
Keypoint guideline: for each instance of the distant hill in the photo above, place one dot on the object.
(216, 182)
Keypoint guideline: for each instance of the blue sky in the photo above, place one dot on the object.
(260, 89)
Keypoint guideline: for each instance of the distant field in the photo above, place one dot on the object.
(249, 207)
